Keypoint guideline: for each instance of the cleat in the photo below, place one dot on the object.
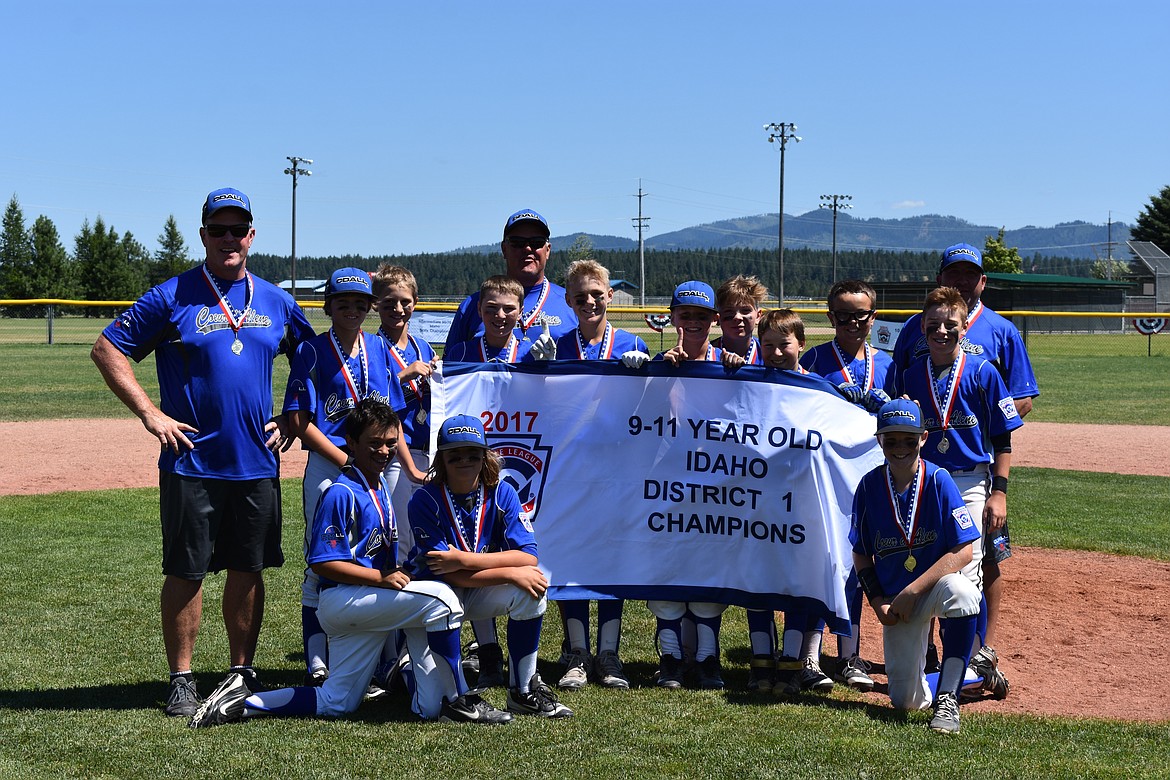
(932, 665)
(491, 667)
(763, 674)
(224, 705)
(253, 681)
(708, 674)
(669, 672)
(852, 672)
(539, 700)
(374, 691)
(576, 671)
(786, 669)
(809, 678)
(316, 678)
(182, 700)
(985, 663)
(608, 671)
(470, 657)
(471, 708)
(946, 714)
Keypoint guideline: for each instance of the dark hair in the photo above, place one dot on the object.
(370, 413)
(489, 472)
(852, 287)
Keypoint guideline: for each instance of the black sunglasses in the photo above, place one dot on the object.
(219, 231)
(523, 242)
(844, 317)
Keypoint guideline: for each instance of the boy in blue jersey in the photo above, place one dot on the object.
(330, 374)
(849, 359)
(912, 536)
(364, 596)
(738, 301)
(469, 533)
(500, 300)
(970, 416)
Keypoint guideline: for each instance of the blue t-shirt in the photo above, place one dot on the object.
(826, 360)
(942, 522)
(542, 303)
(477, 350)
(203, 382)
(416, 425)
(318, 384)
(353, 523)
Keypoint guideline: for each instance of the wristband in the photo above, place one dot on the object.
(348, 463)
(1000, 484)
(870, 585)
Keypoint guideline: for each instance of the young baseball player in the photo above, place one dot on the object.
(970, 416)
(693, 314)
(912, 536)
(738, 301)
(469, 533)
(500, 299)
(330, 373)
(588, 293)
(364, 596)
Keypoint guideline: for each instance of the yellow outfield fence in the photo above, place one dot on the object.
(1055, 333)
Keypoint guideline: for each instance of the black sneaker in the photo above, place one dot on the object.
(539, 700)
(985, 663)
(932, 665)
(224, 705)
(763, 674)
(470, 657)
(182, 700)
(252, 680)
(491, 667)
(316, 678)
(669, 672)
(471, 708)
(708, 674)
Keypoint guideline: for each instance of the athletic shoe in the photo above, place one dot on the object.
(471, 708)
(470, 657)
(708, 674)
(608, 671)
(576, 671)
(252, 680)
(225, 705)
(946, 714)
(932, 665)
(182, 700)
(809, 678)
(669, 672)
(316, 678)
(539, 700)
(763, 674)
(391, 677)
(786, 669)
(852, 672)
(374, 691)
(985, 663)
(491, 667)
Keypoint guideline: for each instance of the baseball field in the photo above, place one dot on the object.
(1082, 641)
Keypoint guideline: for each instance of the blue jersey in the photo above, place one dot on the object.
(543, 303)
(990, 337)
(754, 356)
(714, 353)
(613, 345)
(320, 385)
(477, 350)
(442, 521)
(981, 407)
(354, 523)
(874, 371)
(933, 509)
(206, 378)
(417, 392)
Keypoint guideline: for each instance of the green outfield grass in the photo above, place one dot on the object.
(81, 671)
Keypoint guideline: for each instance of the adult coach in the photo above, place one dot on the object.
(215, 331)
(526, 250)
(996, 339)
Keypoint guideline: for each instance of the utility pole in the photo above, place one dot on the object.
(640, 222)
(782, 132)
(836, 203)
(1109, 249)
(296, 172)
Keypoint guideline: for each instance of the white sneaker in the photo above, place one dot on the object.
(852, 673)
(576, 671)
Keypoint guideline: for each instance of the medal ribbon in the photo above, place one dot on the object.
(399, 356)
(948, 400)
(843, 360)
(389, 530)
(225, 307)
(510, 349)
(605, 348)
(343, 361)
(468, 542)
(974, 314)
(527, 320)
(910, 524)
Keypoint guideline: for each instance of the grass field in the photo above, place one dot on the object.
(81, 670)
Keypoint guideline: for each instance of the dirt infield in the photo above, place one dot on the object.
(1099, 629)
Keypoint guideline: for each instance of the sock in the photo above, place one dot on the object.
(958, 634)
(523, 641)
(669, 633)
(981, 623)
(762, 631)
(485, 631)
(609, 624)
(283, 702)
(707, 637)
(793, 634)
(576, 615)
(445, 646)
(849, 645)
(810, 645)
(688, 638)
(188, 675)
(316, 643)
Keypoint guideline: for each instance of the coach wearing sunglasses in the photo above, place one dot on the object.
(215, 331)
(526, 249)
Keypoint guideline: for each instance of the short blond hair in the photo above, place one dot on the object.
(947, 297)
(588, 268)
(388, 275)
(741, 288)
(502, 284)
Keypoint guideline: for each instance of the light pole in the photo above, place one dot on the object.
(782, 132)
(295, 171)
(836, 203)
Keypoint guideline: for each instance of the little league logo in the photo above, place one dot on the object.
(525, 467)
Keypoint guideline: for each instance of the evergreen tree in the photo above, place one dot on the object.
(53, 275)
(581, 249)
(1153, 224)
(999, 258)
(15, 251)
(171, 258)
(103, 263)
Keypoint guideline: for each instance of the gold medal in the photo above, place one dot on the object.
(945, 444)
(910, 563)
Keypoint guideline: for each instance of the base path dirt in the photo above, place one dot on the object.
(1094, 617)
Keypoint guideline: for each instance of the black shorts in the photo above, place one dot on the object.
(217, 524)
(998, 547)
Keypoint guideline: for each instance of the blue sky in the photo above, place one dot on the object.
(429, 123)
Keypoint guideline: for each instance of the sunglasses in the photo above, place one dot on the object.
(845, 317)
(469, 457)
(524, 242)
(219, 231)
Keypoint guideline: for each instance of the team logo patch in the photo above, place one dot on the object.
(333, 537)
(883, 335)
(525, 467)
(962, 517)
(1008, 407)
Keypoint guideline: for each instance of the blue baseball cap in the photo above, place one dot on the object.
(351, 281)
(526, 215)
(226, 198)
(900, 416)
(462, 430)
(694, 294)
(960, 253)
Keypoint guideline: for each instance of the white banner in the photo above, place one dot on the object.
(688, 484)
